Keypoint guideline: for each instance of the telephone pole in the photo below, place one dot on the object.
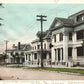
(6, 45)
(41, 20)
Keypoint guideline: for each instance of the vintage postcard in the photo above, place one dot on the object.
(42, 42)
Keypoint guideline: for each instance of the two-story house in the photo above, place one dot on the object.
(17, 53)
(67, 39)
(33, 57)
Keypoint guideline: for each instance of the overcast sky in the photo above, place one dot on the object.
(20, 23)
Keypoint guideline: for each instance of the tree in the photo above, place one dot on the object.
(0, 4)
(14, 56)
(1, 18)
(4, 56)
(39, 35)
(18, 58)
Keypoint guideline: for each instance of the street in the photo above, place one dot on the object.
(26, 74)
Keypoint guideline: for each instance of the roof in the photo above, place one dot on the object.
(34, 41)
(23, 47)
(82, 12)
(63, 21)
(66, 21)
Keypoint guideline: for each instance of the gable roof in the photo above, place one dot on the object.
(63, 21)
(23, 47)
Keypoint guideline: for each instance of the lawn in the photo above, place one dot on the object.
(81, 71)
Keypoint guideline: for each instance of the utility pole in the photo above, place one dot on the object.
(41, 20)
(6, 45)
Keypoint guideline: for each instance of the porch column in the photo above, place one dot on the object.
(74, 37)
(56, 55)
(74, 53)
(38, 58)
(60, 54)
(65, 46)
(25, 56)
(47, 58)
(32, 57)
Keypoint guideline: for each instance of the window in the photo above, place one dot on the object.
(80, 51)
(49, 55)
(58, 54)
(80, 18)
(54, 37)
(38, 46)
(80, 34)
(11, 53)
(61, 36)
(26, 56)
(44, 46)
(70, 36)
(35, 56)
(29, 57)
(44, 55)
(55, 54)
(69, 52)
(62, 53)
(35, 47)
(16, 54)
(22, 54)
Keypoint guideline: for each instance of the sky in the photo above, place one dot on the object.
(20, 25)
(42, 1)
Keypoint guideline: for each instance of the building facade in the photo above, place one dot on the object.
(66, 36)
(33, 57)
(17, 53)
(67, 39)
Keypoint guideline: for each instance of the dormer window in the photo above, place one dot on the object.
(80, 18)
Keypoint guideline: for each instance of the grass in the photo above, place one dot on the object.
(17, 66)
(80, 71)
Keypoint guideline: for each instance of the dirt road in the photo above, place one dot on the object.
(26, 74)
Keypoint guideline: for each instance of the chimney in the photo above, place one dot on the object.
(19, 45)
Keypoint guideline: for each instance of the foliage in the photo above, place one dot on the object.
(70, 70)
(17, 66)
(0, 4)
(4, 56)
(0, 24)
(39, 34)
(1, 18)
(22, 54)
(16, 54)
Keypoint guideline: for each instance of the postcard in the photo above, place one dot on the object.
(42, 41)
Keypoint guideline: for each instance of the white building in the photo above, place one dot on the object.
(67, 39)
(33, 57)
(66, 35)
(17, 53)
